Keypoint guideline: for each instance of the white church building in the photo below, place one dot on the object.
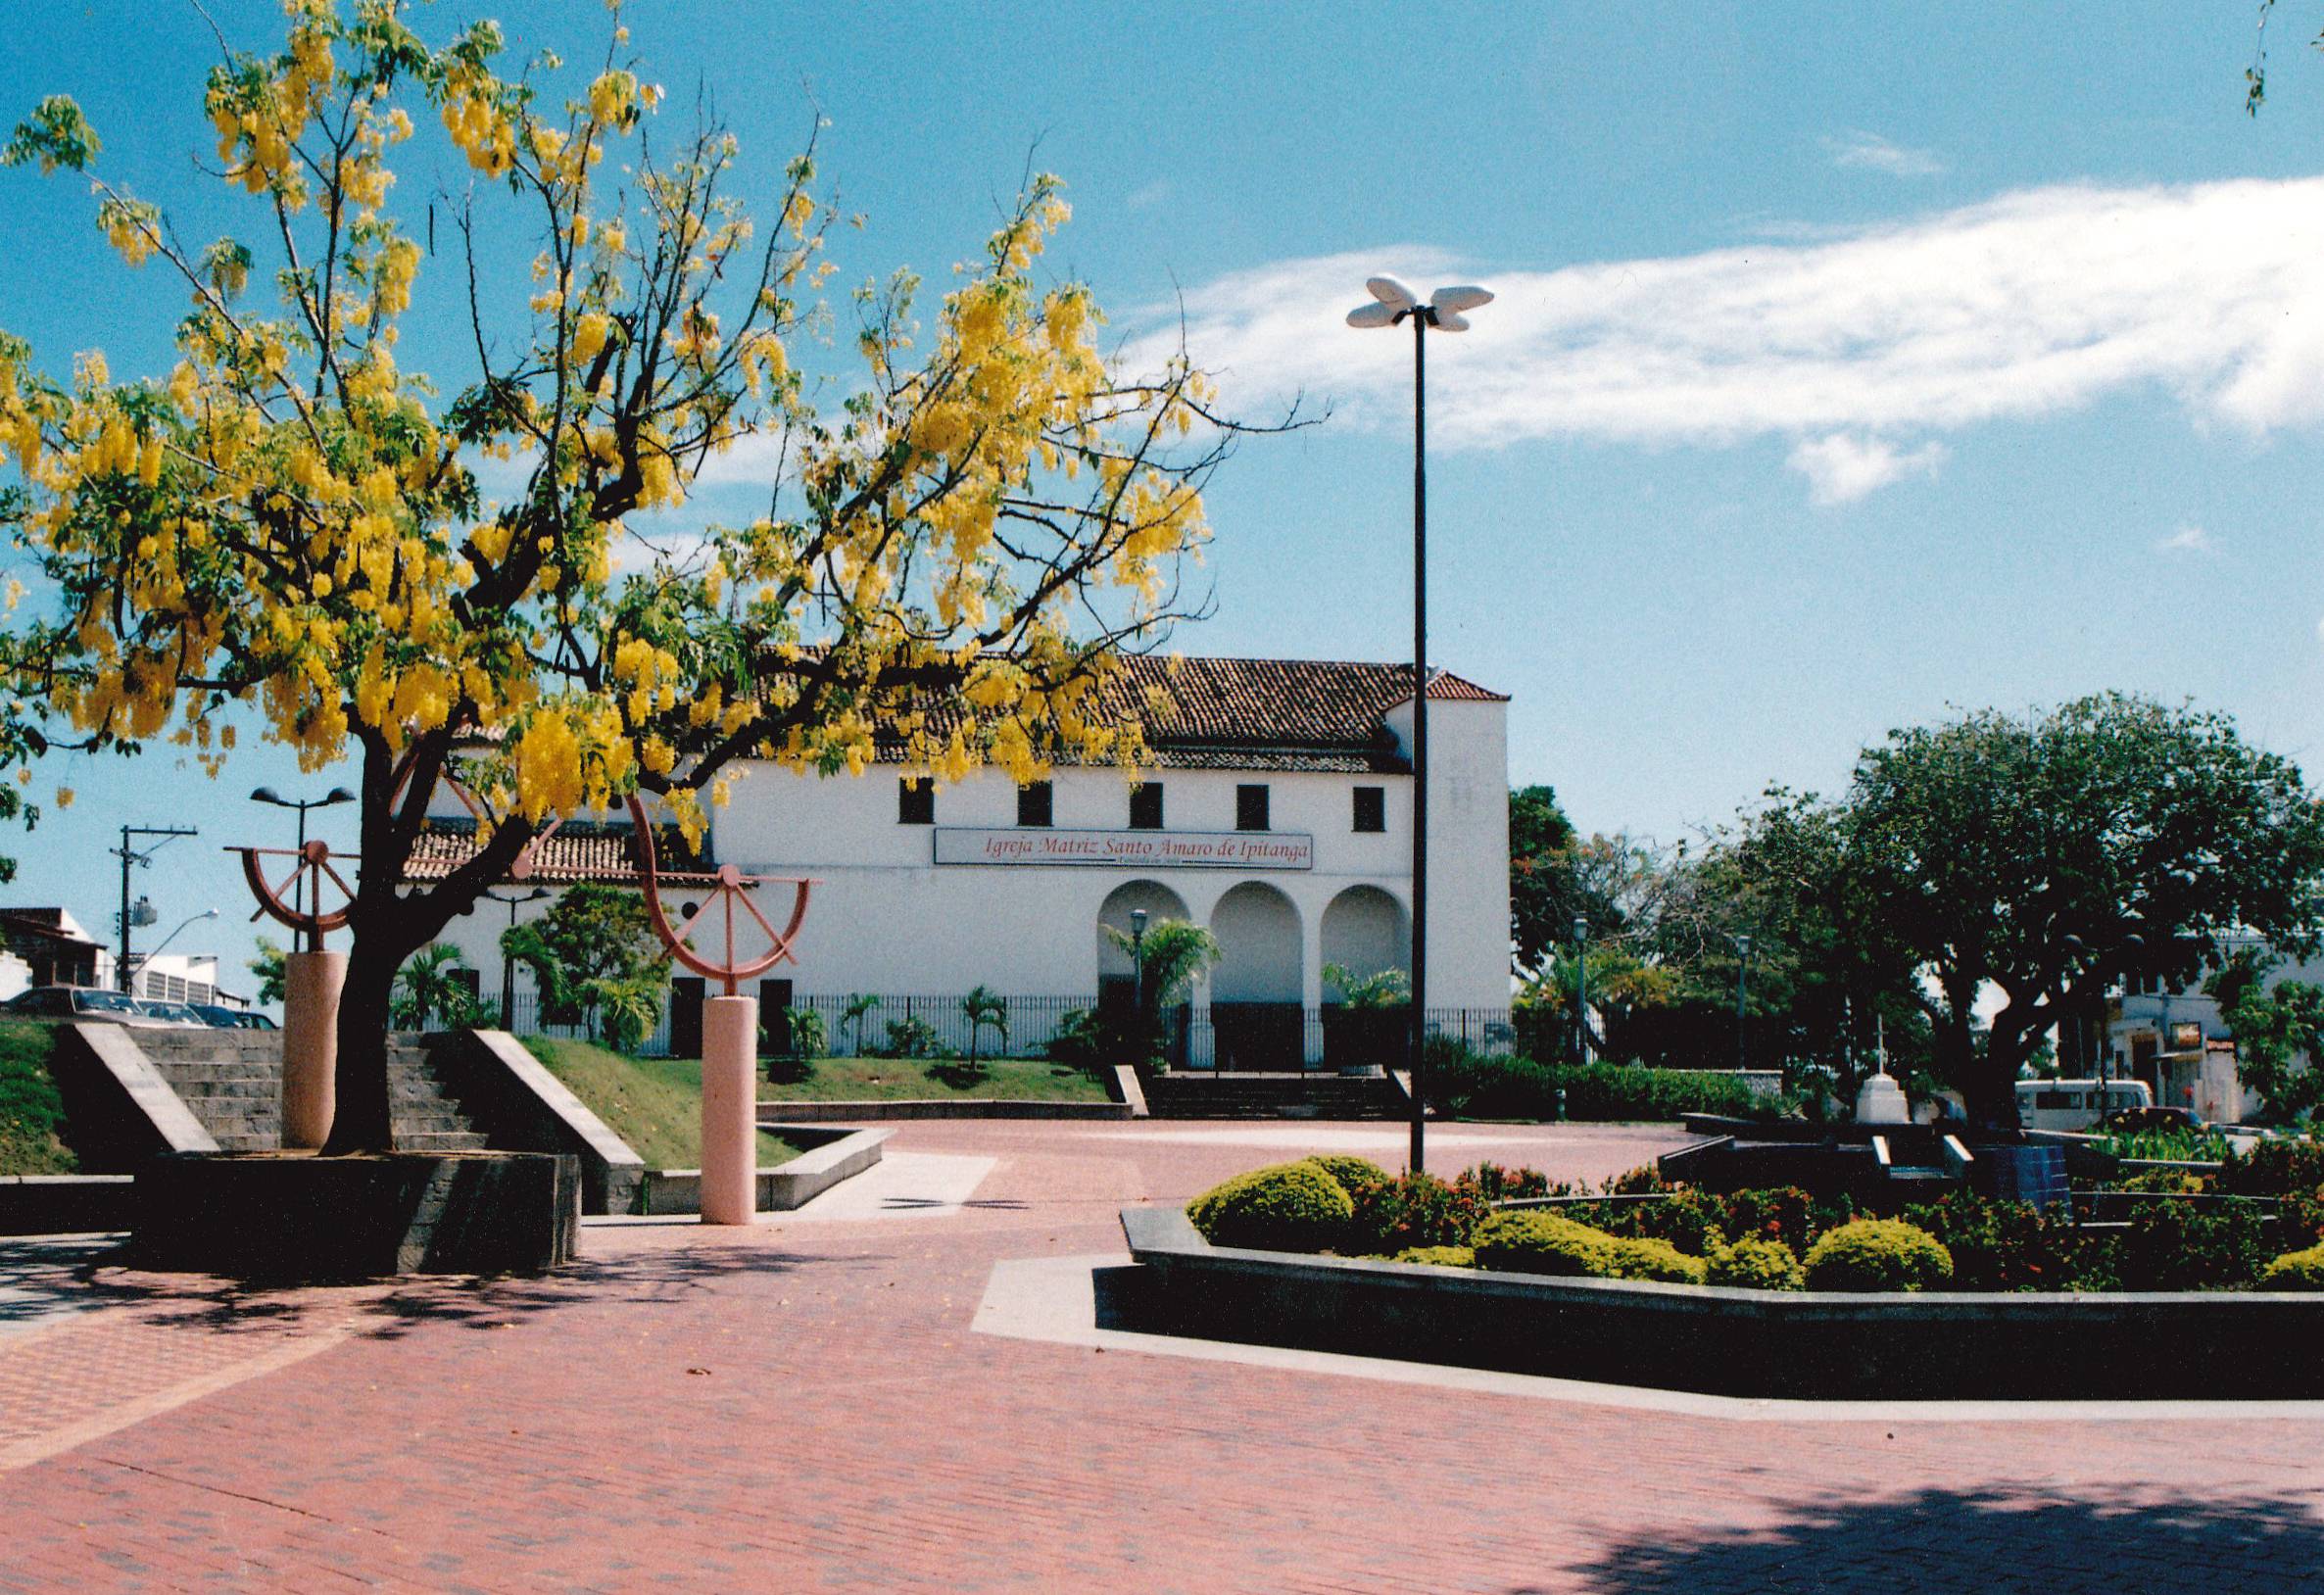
(1274, 808)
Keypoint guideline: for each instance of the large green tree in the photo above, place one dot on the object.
(2046, 859)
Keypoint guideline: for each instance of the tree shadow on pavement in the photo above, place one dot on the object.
(2133, 1540)
(38, 1281)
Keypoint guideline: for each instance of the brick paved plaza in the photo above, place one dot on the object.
(811, 1406)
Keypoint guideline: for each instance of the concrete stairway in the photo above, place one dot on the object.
(231, 1081)
(1229, 1095)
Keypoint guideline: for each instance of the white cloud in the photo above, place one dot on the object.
(2187, 540)
(1842, 469)
(1872, 153)
(2033, 303)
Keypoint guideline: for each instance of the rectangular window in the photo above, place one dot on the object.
(1372, 808)
(1032, 803)
(1250, 808)
(1146, 805)
(915, 800)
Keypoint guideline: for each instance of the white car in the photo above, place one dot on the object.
(84, 1002)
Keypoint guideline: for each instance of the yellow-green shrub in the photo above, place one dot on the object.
(1753, 1264)
(1877, 1254)
(1353, 1173)
(1532, 1241)
(1290, 1207)
(1655, 1260)
(1441, 1256)
(2295, 1271)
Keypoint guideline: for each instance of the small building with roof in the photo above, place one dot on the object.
(1274, 807)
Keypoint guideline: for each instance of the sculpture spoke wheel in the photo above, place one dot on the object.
(731, 891)
(302, 885)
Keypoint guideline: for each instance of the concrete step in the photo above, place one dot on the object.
(459, 1140)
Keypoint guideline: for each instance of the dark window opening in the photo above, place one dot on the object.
(1146, 805)
(915, 800)
(1372, 808)
(1250, 808)
(1034, 804)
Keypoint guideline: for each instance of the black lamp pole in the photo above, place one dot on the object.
(1392, 303)
(1420, 740)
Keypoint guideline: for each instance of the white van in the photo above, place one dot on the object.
(2077, 1104)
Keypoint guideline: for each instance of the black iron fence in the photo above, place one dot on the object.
(1243, 1036)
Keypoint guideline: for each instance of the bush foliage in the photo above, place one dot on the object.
(1292, 1207)
(1470, 1086)
(2295, 1271)
(1877, 1254)
(1753, 1264)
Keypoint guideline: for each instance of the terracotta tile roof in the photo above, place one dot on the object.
(1267, 714)
(578, 851)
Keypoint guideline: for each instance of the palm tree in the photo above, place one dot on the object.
(858, 1011)
(431, 986)
(1172, 957)
(980, 1008)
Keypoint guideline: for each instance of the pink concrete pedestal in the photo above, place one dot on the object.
(310, 984)
(730, 1109)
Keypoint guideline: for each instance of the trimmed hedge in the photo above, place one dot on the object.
(1478, 1087)
(1353, 1173)
(1877, 1254)
(1440, 1256)
(1534, 1241)
(1752, 1264)
(2295, 1271)
(1290, 1207)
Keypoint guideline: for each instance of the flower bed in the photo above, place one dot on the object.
(1761, 1294)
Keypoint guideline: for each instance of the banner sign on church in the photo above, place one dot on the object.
(1158, 849)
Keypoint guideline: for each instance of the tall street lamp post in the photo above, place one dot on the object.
(1742, 966)
(508, 956)
(1393, 303)
(337, 795)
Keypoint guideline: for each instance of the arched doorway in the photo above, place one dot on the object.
(1114, 966)
(1364, 932)
(1256, 1017)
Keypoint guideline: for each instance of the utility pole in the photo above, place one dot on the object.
(129, 855)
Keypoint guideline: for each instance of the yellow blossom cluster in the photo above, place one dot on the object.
(290, 526)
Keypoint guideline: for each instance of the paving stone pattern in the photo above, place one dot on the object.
(803, 1407)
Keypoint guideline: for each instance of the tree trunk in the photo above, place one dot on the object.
(360, 1124)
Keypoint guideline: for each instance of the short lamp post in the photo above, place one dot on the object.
(1742, 968)
(1138, 965)
(1393, 303)
(267, 794)
(1582, 989)
(508, 956)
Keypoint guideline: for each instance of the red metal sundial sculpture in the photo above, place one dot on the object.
(733, 887)
(296, 902)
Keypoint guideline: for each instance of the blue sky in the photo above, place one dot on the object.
(1851, 363)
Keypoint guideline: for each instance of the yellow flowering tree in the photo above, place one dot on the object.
(286, 534)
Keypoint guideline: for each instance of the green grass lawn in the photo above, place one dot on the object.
(655, 1104)
(31, 1114)
(881, 1080)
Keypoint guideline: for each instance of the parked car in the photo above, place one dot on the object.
(85, 1002)
(176, 1015)
(219, 1017)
